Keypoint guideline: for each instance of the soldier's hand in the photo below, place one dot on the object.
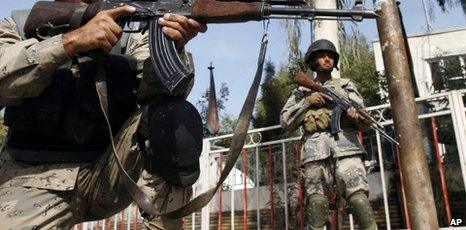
(317, 99)
(101, 32)
(180, 28)
(353, 114)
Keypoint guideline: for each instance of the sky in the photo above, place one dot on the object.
(233, 48)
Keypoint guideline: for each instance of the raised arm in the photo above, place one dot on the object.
(26, 66)
(294, 110)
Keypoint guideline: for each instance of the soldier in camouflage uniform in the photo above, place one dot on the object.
(55, 180)
(329, 159)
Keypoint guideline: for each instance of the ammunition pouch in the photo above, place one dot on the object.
(173, 128)
(317, 120)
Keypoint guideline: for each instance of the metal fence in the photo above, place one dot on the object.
(265, 189)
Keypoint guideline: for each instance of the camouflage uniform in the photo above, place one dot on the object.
(57, 196)
(327, 159)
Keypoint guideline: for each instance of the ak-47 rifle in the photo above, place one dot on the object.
(49, 18)
(341, 104)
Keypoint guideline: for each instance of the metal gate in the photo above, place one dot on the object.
(265, 189)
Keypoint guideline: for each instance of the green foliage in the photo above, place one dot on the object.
(449, 75)
(3, 131)
(358, 64)
(275, 89)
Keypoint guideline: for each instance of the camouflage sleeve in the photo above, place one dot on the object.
(294, 110)
(150, 87)
(354, 94)
(26, 66)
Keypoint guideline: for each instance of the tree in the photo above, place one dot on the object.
(275, 91)
(358, 64)
(448, 4)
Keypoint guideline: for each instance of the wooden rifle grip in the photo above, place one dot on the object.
(303, 80)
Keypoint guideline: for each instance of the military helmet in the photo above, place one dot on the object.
(320, 45)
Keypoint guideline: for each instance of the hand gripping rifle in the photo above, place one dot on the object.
(47, 18)
(341, 104)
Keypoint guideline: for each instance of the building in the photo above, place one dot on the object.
(438, 60)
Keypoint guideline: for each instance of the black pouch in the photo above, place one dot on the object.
(173, 127)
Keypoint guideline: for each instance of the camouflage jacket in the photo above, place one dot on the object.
(294, 113)
(26, 69)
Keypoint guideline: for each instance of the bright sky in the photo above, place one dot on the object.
(233, 48)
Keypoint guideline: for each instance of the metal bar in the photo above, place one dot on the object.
(245, 189)
(193, 219)
(258, 203)
(250, 131)
(115, 222)
(128, 218)
(205, 211)
(285, 185)
(261, 144)
(441, 171)
(220, 191)
(418, 184)
(333, 213)
(351, 221)
(232, 212)
(135, 224)
(361, 138)
(382, 179)
(299, 186)
(403, 192)
(271, 181)
(459, 122)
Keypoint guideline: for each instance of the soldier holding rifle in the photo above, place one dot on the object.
(55, 168)
(329, 159)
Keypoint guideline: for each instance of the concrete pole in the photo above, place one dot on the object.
(327, 29)
(420, 198)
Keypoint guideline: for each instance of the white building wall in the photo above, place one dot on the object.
(424, 47)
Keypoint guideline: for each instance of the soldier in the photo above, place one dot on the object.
(55, 168)
(329, 159)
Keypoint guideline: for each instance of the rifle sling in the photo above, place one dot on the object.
(236, 146)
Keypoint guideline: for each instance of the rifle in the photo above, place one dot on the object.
(49, 18)
(341, 104)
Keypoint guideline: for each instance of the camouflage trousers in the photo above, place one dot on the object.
(347, 174)
(60, 195)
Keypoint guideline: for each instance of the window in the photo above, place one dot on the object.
(448, 73)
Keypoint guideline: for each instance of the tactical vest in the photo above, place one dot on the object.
(67, 117)
(65, 122)
(317, 119)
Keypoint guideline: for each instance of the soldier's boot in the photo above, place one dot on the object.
(362, 211)
(318, 211)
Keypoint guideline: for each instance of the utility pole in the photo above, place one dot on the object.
(418, 186)
(327, 29)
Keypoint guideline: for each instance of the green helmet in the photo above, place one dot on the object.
(320, 45)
